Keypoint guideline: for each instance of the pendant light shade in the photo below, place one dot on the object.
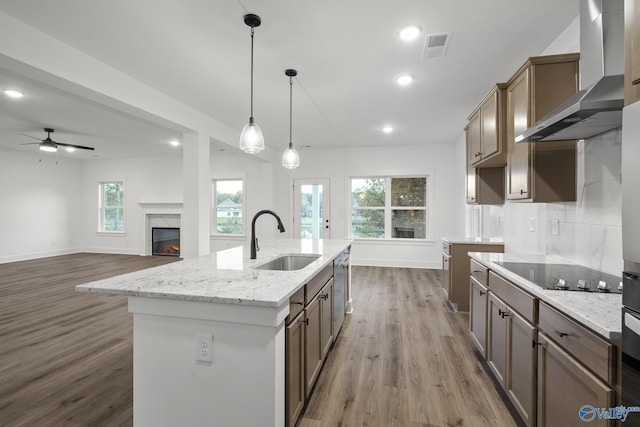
(290, 157)
(251, 139)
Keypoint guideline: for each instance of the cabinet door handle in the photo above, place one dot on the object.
(477, 271)
(500, 312)
(522, 192)
(305, 321)
(482, 293)
(505, 314)
(297, 303)
(325, 296)
(561, 334)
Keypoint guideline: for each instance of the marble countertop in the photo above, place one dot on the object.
(226, 276)
(599, 312)
(473, 240)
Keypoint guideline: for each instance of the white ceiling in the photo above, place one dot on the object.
(346, 53)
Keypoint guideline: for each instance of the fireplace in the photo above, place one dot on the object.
(165, 241)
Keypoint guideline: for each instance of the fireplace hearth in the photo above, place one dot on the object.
(165, 241)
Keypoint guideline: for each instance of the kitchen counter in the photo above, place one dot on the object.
(226, 277)
(597, 311)
(472, 240)
(209, 334)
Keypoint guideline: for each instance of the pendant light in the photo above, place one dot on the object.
(290, 157)
(251, 139)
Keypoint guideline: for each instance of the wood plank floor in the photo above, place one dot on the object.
(66, 357)
(402, 359)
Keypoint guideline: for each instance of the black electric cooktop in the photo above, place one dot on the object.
(565, 277)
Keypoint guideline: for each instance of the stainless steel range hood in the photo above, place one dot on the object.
(598, 108)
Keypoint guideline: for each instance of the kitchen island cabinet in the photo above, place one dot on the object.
(242, 312)
(540, 172)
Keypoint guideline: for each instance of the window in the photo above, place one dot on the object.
(228, 199)
(389, 208)
(112, 207)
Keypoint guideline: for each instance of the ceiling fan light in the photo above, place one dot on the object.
(11, 93)
(48, 146)
(290, 158)
(251, 139)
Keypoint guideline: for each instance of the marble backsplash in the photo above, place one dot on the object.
(587, 231)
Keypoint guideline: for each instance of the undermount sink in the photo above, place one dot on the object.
(288, 262)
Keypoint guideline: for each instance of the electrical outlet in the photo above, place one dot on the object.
(555, 227)
(532, 224)
(204, 347)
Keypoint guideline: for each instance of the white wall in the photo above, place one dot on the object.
(41, 202)
(151, 180)
(446, 185)
(258, 181)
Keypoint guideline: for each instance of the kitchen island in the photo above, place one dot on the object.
(209, 339)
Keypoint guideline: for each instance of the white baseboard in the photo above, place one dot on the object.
(372, 262)
(119, 251)
(36, 255)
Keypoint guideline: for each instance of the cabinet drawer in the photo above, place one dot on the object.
(479, 271)
(591, 350)
(516, 298)
(296, 304)
(317, 282)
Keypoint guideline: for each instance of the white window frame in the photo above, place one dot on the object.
(214, 215)
(388, 209)
(102, 207)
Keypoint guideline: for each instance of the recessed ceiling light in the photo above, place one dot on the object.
(175, 142)
(404, 79)
(13, 93)
(410, 32)
(387, 129)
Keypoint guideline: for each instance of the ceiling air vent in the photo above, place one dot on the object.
(435, 45)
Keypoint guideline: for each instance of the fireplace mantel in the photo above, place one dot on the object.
(161, 207)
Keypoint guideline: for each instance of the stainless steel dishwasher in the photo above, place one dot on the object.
(340, 280)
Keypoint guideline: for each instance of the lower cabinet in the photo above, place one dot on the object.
(511, 336)
(295, 377)
(308, 339)
(478, 315)
(554, 371)
(565, 386)
(575, 372)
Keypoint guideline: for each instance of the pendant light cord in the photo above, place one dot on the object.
(251, 74)
(290, 111)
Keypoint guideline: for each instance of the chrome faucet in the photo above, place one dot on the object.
(254, 240)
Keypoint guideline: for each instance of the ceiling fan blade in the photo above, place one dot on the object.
(29, 143)
(29, 136)
(81, 147)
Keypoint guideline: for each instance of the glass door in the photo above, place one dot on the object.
(312, 208)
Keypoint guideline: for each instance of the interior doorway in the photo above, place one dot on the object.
(312, 208)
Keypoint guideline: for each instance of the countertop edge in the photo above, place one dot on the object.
(152, 279)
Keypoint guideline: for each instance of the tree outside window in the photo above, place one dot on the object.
(112, 207)
(229, 204)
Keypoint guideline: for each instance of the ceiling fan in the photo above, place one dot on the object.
(52, 146)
